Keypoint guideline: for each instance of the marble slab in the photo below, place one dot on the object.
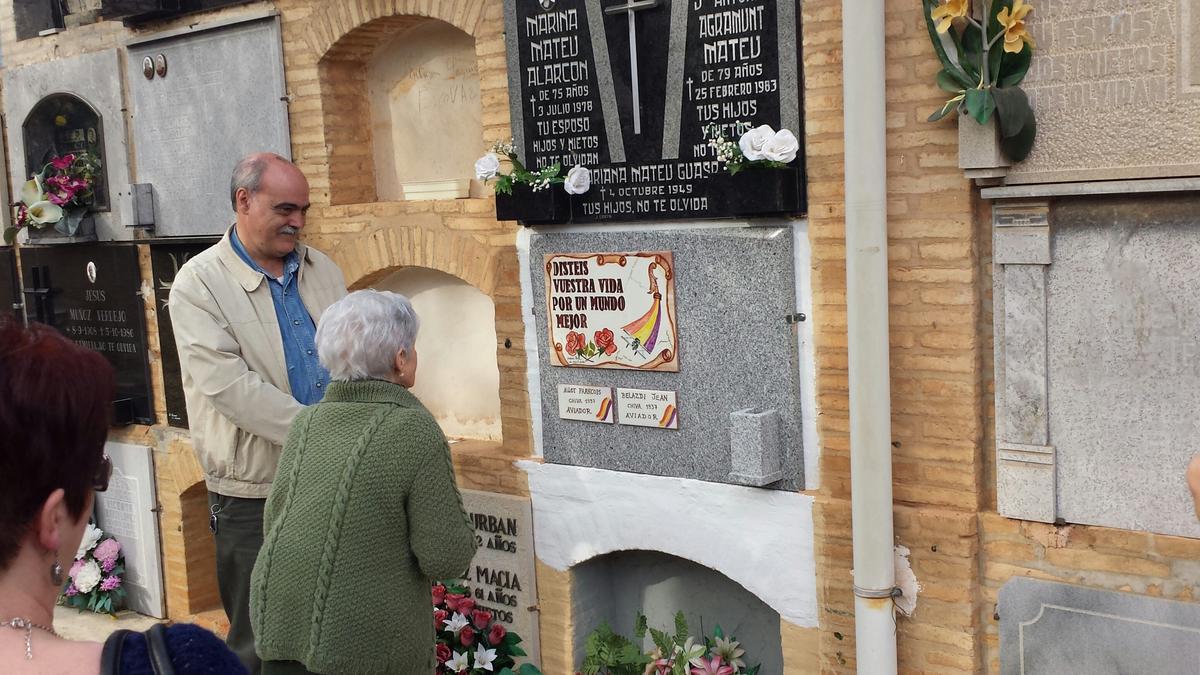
(1048, 627)
(735, 289)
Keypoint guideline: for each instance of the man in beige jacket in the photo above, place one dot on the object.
(244, 313)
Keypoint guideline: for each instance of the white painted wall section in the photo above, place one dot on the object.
(762, 539)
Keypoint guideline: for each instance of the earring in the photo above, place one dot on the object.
(56, 574)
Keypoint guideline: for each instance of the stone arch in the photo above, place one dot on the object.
(342, 29)
(386, 250)
(345, 35)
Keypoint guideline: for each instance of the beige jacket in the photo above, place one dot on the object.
(235, 380)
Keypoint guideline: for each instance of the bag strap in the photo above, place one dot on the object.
(160, 655)
(110, 656)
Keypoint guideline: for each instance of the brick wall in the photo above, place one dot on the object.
(936, 354)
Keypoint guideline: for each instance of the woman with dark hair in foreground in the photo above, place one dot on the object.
(55, 398)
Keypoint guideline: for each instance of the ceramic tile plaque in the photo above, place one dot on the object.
(501, 576)
(585, 404)
(612, 310)
(646, 408)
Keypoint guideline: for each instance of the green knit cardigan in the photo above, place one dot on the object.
(364, 512)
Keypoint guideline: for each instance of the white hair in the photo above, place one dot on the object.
(359, 336)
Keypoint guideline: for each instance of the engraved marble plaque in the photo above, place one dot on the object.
(128, 511)
(1115, 86)
(502, 576)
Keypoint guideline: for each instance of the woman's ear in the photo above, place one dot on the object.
(401, 361)
(52, 519)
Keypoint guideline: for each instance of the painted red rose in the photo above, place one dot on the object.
(452, 600)
(604, 341)
(575, 342)
(466, 636)
(443, 653)
(466, 606)
(439, 619)
(481, 618)
(496, 635)
(439, 594)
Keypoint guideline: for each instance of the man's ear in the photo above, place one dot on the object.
(51, 519)
(242, 198)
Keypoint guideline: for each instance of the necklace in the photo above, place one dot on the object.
(17, 623)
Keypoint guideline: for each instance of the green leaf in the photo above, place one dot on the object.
(639, 626)
(10, 235)
(980, 105)
(952, 104)
(936, 40)
(947, 82)
(516, 651)
(528, 669)
(1013, 67)
(1017, 147)
(1012, 109)
(717, 632)
(681, 627)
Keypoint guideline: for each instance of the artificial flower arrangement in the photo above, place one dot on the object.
(983, 62)
(577, 181)
(759, 147)
(59, 195)
(95, 577)
(608, 653)
(469, 639)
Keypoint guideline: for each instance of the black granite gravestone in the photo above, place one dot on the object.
(61, 124)
(34, 16)
(10, 299)
(92, 294)
(628, 88)
(166, 258)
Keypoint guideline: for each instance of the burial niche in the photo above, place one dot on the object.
(426, 125)
(457, 374)
(614, 587)
(61, 124)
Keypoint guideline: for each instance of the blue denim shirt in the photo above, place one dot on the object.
(305, 374)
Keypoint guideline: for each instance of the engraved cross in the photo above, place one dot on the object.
(631, 7)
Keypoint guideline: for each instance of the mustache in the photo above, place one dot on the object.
(288, 229)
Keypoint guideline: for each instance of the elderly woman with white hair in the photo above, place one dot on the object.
(364, 511)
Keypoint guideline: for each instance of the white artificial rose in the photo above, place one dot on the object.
(43, 213)
(487, 167)
(87, 577)
(91, 536)
(752, 142)
(782, 148)
(578, 181)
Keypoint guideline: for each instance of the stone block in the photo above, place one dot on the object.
(1048, 627)
(754, 447)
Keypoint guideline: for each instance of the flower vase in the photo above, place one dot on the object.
(979, 148)
(763, 192)
(51, 235)
(550, 205)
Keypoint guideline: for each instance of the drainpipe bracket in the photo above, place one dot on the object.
(893, 592)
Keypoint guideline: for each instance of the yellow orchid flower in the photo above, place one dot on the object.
(1015, 35)
(945, 13)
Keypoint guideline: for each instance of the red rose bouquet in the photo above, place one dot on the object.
(470, 640)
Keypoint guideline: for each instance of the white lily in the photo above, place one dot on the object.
(31, 191)
(456, 622)
(458, 662)
(44, 213)
(484, 657)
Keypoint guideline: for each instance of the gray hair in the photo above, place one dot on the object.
(249, 172)
(359, 336)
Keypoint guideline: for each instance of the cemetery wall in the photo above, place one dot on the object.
(940, 320)
(936, 351)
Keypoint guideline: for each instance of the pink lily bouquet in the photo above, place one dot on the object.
(469, 639)
(95, 577)
(608, 653)
(58, 196)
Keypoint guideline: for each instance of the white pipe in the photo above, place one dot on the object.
(863, 83)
